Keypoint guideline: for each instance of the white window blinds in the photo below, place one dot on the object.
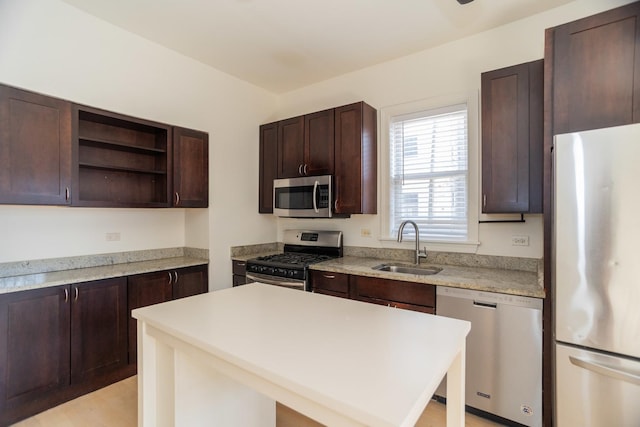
(429, 173)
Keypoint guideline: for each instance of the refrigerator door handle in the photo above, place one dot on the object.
(606, 370)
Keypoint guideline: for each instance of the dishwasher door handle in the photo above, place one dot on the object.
(491, 305)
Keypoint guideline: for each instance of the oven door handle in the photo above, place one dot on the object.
(315, 195)
(269, 281)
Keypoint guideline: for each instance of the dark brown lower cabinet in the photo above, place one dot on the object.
(328, 283)
(393, 293)
(161, 286)
(34, 348)
(239, 269)
(59, 343)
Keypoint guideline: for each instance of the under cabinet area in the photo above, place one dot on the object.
(512, 139)
(393, 293)
(35, 148)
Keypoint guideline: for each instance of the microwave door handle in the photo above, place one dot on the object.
(315, 194)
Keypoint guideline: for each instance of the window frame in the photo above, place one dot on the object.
(473, 178)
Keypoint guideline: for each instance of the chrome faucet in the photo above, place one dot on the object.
(419, 253)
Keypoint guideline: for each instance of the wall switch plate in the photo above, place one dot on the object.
(112, 237)
(365, 232)
(519, 240)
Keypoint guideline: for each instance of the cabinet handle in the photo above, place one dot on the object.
(177, 198)
(170, 278)
(66, 294)
(484, 200)
(328, 276)
(241, 264)
(76, 297)
(300, 169)
(67, 193)
(304, 169)
(175, 273)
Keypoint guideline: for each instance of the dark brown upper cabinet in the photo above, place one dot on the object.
(35, 148)
(119, 161)
(190, 168)
(268, 166)
(355, 184)
(305, 145)
(339, 141)
(318, 143)
(290, 147)
(512, 138)
(594, 66)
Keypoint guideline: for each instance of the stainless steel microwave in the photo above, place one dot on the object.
(303, 197)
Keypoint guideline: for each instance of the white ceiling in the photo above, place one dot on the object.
(282, 45)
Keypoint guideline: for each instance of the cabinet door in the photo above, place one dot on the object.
(268, 166)
(512, 139)
(319, 143)
(143, 290)
(290, 147)
(329, 283)
(190, 281)
(394, 293)
(355, 159)
(190, 168)
(34, 345)
(596, 71)
(35, 148)
(98, 328)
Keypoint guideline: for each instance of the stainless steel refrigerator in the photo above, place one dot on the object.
(596, 241)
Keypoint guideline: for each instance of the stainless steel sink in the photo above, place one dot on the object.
(408, 269)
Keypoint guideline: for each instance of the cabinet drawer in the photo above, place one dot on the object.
(331, 283)
(239, 267)
(395, 292)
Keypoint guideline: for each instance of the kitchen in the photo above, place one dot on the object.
(190, 94)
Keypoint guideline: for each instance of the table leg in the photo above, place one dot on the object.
(455, 390)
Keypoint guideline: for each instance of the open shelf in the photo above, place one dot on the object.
(103, 143)
(120, 161)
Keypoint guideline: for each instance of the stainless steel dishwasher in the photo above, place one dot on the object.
(504, 352)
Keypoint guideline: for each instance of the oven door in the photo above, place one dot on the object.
(303, 197)
(277, 281)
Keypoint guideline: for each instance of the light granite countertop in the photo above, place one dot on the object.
(78, 275)
(506, 275)
(514, 282)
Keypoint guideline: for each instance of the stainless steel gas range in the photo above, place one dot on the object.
(301, 249)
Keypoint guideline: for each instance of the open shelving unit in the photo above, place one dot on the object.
(120, 161)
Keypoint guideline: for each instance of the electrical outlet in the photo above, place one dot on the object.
(112, 237)
(365, 232)
(519, 240)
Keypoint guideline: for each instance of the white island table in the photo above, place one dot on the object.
(224, 359)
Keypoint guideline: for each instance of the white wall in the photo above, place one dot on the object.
(50, 47)
(448, 69)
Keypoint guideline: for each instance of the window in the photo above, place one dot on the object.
(429, 173)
